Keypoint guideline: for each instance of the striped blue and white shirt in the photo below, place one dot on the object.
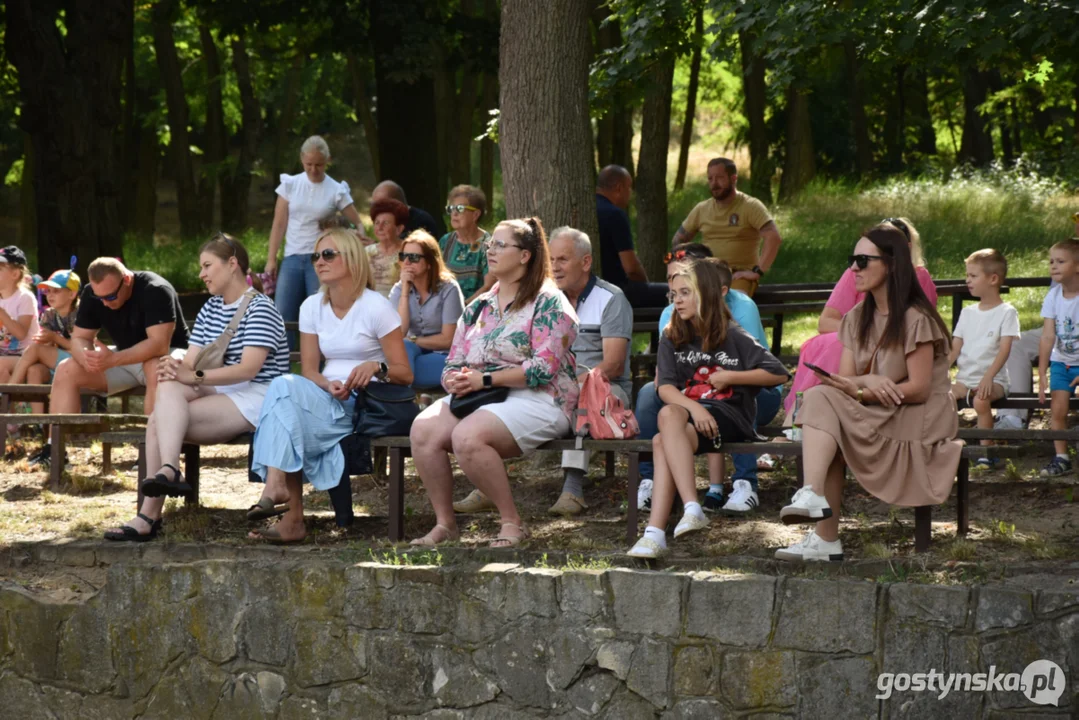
(261, 326)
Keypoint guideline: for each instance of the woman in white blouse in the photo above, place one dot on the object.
(303, 200)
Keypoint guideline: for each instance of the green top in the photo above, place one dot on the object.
(470, 266)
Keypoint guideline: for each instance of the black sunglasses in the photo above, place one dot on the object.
(409, 257)
(328, 255)
(898, 224)
(862, 260)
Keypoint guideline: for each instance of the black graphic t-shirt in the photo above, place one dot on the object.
(687, 368)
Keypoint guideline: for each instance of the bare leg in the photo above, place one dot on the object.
(38, 374)
(7, 366)
(166, 429)
(717, 468)
(985, 410)
(34, 355)
(481, 442)
(1058, 407)
(672, 451)
(149, 369)
(431, 438)
(69, 379)
(828, 529)
(290, 526)
(819, 449)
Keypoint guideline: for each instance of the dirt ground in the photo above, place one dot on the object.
(1015, 515)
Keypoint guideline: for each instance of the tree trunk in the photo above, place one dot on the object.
(544, 54)
(653, 235)
(1075, 98)
(131, 131)
(188, 196)
(756, 99)
(363, 108)
(895, 125)
(144, 210)
(319, 98)
(487, 145)
(1017, 128)
(407, 135)
(691, 100)
(976, 147)
(800, 165)
(863, 150)
(287, 158)
(236, 184)
(445, 84)
(920, 116)
(461, 150)
(214, 165)
(27, 210)
(70, 86)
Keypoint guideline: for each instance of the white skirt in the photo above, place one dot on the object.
(531, 416)
(248, 397)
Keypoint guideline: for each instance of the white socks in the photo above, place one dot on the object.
(694, 508)
(656, 534)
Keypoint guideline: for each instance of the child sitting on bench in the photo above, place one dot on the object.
(982, 340)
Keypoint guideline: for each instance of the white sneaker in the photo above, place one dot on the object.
(690, 522)
(644, 494)
(812, 549)
(806, 506)
(742, 500)
(647, 549)
(1008, 422)
(766, 463)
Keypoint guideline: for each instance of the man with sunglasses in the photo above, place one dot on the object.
(141, 314)
(417, 217)
(732, 224)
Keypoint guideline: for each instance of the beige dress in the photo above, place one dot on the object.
(905, 455)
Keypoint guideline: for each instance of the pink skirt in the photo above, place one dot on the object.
(824, 351)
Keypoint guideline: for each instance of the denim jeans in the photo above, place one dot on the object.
(427, 365)
(745, 465)
(296, 281)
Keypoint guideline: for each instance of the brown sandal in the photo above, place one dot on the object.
(511, 541)
(428, 541)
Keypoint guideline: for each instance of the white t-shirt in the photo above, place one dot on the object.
(308, 203)
(346, 342)
(21, 303)
(982, 331)
(1065, 312)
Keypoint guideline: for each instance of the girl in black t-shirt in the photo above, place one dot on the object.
(709, 373)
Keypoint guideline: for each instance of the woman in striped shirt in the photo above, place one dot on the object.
(215, 405)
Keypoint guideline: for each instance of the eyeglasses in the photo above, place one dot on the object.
(111, 297)
(458, 209)
(862, 260)
(328, 255)
(496, 246)
(409, 257)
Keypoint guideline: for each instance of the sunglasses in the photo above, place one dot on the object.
(458, 209)
(112, 297)
(681, 254)
(899, 225)
(328, 255)
(409, 257)
(862, 260)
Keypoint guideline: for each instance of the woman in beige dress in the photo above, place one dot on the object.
(889, 414)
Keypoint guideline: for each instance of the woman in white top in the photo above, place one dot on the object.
(215, 405)
(303, 200)
(305, 417)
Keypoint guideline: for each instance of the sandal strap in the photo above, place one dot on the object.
(149, 521)
(175, 469)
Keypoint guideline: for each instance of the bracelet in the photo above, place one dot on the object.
(859, 395)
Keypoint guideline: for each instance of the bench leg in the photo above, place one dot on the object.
(106, 458)
(5, 408)
(191, 467)
(141, 473)
(923, 527)
(379, 457)
(610, 465)
(397, 494)
(56, 458)
(633, 483)
(962, 498)
(125, 404)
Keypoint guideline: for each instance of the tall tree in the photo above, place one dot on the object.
(358, 73)
(855, 99)
(800, 163)
(756, 100)
(236, 181)
(544, 131)
(691, 99)
(976, 146)
(70, 69)
(653, 235)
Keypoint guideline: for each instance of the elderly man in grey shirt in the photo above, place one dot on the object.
(605, 331)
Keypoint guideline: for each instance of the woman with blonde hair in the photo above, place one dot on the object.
(305, 417)
(429, 302)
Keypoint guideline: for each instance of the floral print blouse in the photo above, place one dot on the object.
(537, 338)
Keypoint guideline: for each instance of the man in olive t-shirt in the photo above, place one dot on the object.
(732, 225)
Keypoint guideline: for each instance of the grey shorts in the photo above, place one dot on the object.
(125, 377)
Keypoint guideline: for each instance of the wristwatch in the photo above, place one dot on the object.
(383, 370)
(488, 380)
(200, 377)
(757, 269)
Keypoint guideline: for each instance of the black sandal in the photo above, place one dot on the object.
(159, 484)
(130, 534)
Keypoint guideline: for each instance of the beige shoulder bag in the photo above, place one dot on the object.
(213, 355)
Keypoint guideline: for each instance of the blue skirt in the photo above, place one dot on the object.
(300, 428)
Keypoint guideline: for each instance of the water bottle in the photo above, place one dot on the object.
(796, 427)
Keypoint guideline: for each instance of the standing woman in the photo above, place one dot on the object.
(888, 414)
(429, 304)
(303, 200)
(709, 372)
(517, 338)
(464, 248)
(388, 218)
(306, 416)
(215, 405)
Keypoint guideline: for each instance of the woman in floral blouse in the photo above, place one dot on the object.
(517, 336)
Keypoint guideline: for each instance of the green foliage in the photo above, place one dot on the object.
(1041, 74)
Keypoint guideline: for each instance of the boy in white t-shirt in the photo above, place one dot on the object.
(1059, 350)
(982, 340)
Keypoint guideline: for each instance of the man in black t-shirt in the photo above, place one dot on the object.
(417, 218)
(619, 263)
(141, 314)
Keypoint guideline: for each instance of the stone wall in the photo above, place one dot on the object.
(289, 639)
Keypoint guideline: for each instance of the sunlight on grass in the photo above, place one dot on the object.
(961, 550)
